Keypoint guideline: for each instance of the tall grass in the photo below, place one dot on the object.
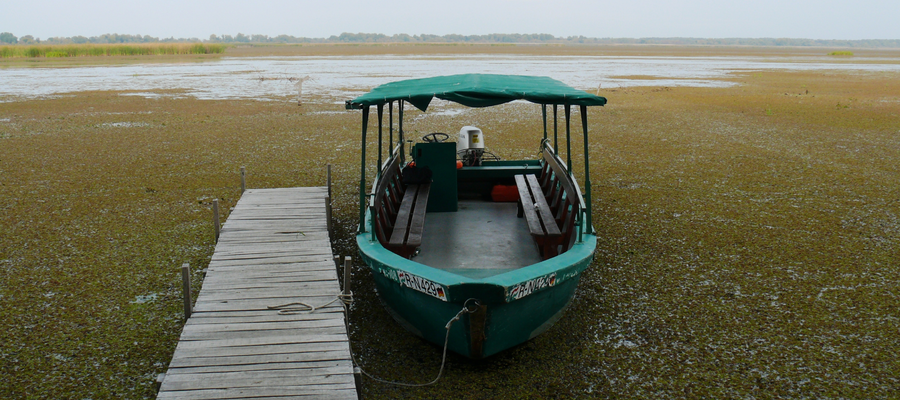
(97, 50)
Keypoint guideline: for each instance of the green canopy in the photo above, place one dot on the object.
(477, 90)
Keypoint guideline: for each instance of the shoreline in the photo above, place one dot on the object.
(363, 49)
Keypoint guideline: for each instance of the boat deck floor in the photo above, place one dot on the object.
(482, 239)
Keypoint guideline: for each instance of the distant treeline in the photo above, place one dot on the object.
(116, 49)
(511, 38)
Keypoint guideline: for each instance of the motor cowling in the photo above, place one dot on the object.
(470, 145)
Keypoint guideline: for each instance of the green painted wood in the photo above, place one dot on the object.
(440, 158)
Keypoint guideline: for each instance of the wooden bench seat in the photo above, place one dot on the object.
(550, 205)
(399, 211)
(541, 220)
(410, 221)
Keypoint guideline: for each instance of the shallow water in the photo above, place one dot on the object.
(343, 77)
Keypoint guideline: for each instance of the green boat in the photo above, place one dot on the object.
(468, 251)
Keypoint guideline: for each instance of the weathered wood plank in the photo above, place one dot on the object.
(262, 316)
(283, 268)
(265, 366)
(526, 206)
(299, 284)
(278, 257)
(417, 224)
(275, 260)
(274, 273)
(259, 361)
(257, 304)
(401, 224)
(311, 349)
(262, 334)
(235, 380)
(226, 283)
(288, 370)
(195, 329)
(282, 284)
(260, 341)
(331, 392)
(313, 298)
(278, 288)
(543, 208)
(253, 247)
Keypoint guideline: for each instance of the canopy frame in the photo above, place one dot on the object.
(420, 94)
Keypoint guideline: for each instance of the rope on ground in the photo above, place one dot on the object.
(465, 310)
(299, 307)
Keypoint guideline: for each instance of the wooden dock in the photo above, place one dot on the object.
(274, 249)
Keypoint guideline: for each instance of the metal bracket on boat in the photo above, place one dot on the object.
(579, 222)
(476, 304)
(465, 310)
(370, 203)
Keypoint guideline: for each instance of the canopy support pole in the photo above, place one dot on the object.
(555, 131)
(544, 115)
(400, 135)
(391, 125)
(380, 115)
(568, 109)
(362, 173)
(587, 170)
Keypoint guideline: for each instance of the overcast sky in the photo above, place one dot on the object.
(811, 19)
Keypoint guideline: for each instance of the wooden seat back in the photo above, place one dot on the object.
(388, 192)
(562, 195)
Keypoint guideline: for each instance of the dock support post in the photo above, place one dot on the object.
(215, 210)
(328, 200)
(347, 261)
(159, 380)
(186, 289)
(243, 180)
(357, 378)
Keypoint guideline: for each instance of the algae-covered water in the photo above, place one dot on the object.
(748, 227)
(340, 77)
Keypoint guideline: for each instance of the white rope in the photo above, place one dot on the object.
(298, 307)
(465, 310)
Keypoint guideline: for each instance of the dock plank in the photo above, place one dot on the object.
(273, 250)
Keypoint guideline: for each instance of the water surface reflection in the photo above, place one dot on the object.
(342, 77)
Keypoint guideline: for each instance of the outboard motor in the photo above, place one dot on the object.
(470, 146)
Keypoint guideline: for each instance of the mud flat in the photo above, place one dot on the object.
(748, 238)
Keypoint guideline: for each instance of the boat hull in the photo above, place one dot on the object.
(502, 310)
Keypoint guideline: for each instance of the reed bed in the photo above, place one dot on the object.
(107, 50)
(747, 240)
